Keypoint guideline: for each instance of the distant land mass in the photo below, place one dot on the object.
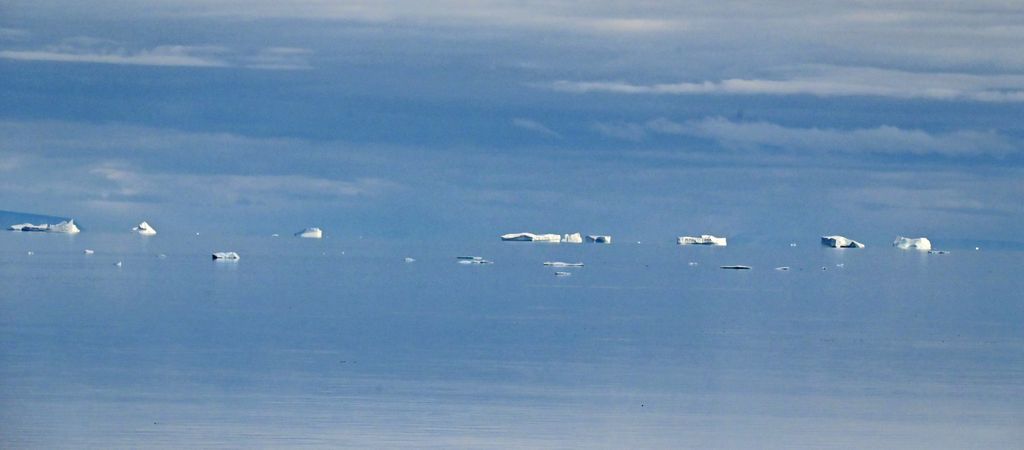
(8, 218)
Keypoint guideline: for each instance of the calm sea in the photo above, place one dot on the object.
(341, 343)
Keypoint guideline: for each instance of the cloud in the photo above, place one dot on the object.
(102, 51)
(829, 81)
(533, 125)
(881, 140)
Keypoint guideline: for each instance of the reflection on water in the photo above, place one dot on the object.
(342, 343)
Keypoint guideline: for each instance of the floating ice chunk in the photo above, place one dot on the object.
(704, 239)
(311, 232)
(693, 263)
(229, 256)
(840, 242)
(530, 237)
(573, 238)
(408, 259)
(563, 274)
(67, 226)
(275, 235)
(938, 252)
(144, 229)
(562, 264)
(118, 264)
(475, 261)
(30, 253)
(599, 238)
(921, 243)
(161, 256)
(88, 251)
(735, 267)
(782, 268)
(792, 244)
(469, 257)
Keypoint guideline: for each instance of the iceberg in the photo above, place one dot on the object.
(921, 243)
(563, 274)
(735, 267)
(599, 239)
(704, 239)
(311, 232)
(409, 260)
(530, 237)
(144, 229)
(67, 226)
(88, 251)
(475, 261)
(840, 242)
(230, 256)
(562, 264)
(938, 252)
(573, 238)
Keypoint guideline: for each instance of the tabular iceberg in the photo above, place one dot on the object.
(704, 239)
(311, 232)
(530, 237)
(562, 264)
(840, 242)
(921, 243)
(573, 238)
(144, 229)
(599, 239)
(231, 256)
(67, 226)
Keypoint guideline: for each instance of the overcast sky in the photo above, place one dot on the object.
(645, 120)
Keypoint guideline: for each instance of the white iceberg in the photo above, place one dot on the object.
(409, 260)
(144, 229)
(599, 239)
(475, 261)
(88, 251)
(563, 274)
(311, 232)
(530, 237)
(704, 239)
(840, 242)
(231, 256)
(67, 226)
(573, 238)
(562, 264)
(921, 243)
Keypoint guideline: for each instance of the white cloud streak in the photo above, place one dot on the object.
(880, 140)
(535, 126)
(829, 81)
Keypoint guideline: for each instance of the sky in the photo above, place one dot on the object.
(760, 121)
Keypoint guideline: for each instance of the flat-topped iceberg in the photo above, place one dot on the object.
(562, 264)
(530, 237)
(704, 239)
(599, 238)
(144, 229)
(67, 226)
(840, 242)
(573, 238)
(921, 243)
(229, 256)
(311, 233)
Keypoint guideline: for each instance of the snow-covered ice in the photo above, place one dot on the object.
(572, 238)
(144, 229)
(67, 226)
(311, 233)
(562, 264)
(530, 237)
(231, 256)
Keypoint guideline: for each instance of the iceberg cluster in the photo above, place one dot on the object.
(599, 239)
(704, 239)
(144, 229)
(67, 226)
(840, 242)
(311, 233)
(921, 243)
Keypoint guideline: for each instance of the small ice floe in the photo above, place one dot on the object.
(840, 242)
(704, 239)
(475, 261)
(161, 256)
(30, 253)
(275, 235)
(693, 263)
(408, 259)
(977, 248)
(841, 265)
(530, 237)
(735, 267)
(782, 268)
(824, 268)
(88, 251)
(563, 274)
(792, 244)
(67, 226)
(311, 233)
(144, 229)
(573, 238)
(226, 256)
(938, 252)
(599, 238)
(921, 243)
(118, 264)
(562, 264)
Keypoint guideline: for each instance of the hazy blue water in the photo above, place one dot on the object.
(299, 344)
